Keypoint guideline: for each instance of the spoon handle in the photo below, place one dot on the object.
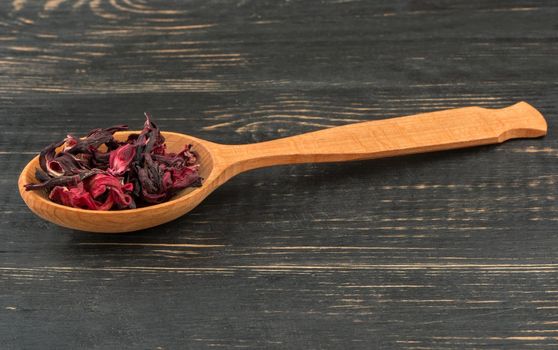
(426, 132)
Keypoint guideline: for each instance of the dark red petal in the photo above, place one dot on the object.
(65, 164)
(159, 149)
(110, 130)
(150, 137)
(107, 205)
(62, 181)
(153, 198)
(41, 175)
(48, 154)
(167, 181)
(185, 177)
(121, 158)
(123, 200)
(69, 142)
(116, 128)
(147, 184)
(96, 138)
(132, 138)
(54, 169)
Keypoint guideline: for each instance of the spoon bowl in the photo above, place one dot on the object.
(427, 132)
(129, 219)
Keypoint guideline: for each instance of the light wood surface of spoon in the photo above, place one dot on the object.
(426, 132)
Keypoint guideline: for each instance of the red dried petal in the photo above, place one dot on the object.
(101, 183)
(75, 197)
(121, 158)
(122, 199)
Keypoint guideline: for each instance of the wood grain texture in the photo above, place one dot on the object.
(440, 251)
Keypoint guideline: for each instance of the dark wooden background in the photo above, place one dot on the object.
(448, 250)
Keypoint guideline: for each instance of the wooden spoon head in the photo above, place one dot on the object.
(129, 219)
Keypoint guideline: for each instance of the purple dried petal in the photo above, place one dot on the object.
(65, 164)
(69, 142)
(146, 183)
(189, 156)
(116, 128)
(99, 159)
(171, 160)
(85, 159)
(132, 138)
(150, 136)
(153, 198)
(185, 177)
(111, 130)
(167, 183)
(61, 181)
(96, 138)
(167, 159)
(41, 175)
(151, 180)
(48, 154)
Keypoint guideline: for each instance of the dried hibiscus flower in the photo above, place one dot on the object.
(137, 172)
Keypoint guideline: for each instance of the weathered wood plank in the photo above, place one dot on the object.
(447, 250)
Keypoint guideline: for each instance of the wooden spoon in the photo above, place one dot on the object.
(427, 132)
